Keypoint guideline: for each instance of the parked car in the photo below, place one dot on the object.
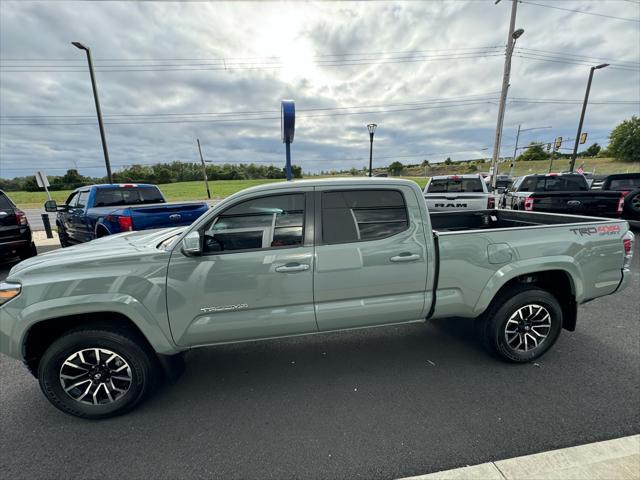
(95, 323)
(628, 184)
(15, 232)
(561, 193)
(99, 210)
(458, 192)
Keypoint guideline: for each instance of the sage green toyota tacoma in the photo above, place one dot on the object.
(100, 322)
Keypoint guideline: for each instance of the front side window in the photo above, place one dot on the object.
(72, 201)
(82, 199)
(362, 215)
(267, 222)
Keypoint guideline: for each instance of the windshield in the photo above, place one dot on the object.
(561, 183)
(464, 185)
(625, 184)
(113, 197)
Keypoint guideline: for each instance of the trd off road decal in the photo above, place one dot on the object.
(599, 230)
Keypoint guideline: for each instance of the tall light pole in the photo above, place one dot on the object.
(372, 130)
(511, 41)
(98, 111)
(584, 109)
(515, 149)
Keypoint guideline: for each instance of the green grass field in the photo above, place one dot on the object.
(196, 191)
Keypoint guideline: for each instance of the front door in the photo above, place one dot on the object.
(371, 257)
(254, 277)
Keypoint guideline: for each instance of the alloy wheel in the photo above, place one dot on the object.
(95, 376)
(528, 327)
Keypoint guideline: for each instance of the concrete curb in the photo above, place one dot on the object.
(617, 459)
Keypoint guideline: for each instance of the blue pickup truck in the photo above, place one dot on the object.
(95, 211)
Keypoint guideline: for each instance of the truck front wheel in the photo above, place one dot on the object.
(95, 373)
(521, 324)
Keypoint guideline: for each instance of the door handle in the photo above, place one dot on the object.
(292, 268)
(405, 257)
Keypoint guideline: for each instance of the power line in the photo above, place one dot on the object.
(580, 11)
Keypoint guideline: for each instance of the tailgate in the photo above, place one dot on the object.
(164, 215)
(598, 203)
(443, 202)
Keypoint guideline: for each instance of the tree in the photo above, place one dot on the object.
(354, 171)
(534, 151)
(448, 161)
(425, 163)
(396, 168)
(624, 140)
(592, 151)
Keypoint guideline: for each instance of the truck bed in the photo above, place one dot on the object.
(497, 219)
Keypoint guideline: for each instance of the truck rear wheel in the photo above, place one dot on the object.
(95, 373)
(521, 324)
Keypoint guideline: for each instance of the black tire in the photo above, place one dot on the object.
(493, 323)
(143, 371)
(62, 236)
(632, 204)
(28, 252)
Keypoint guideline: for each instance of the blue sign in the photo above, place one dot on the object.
(288, 120)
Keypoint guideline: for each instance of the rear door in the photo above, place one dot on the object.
(371, 257)
(254, 277)
(9, 228)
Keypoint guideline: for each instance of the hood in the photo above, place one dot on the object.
(103, 249)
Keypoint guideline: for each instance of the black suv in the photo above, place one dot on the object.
(15, 233)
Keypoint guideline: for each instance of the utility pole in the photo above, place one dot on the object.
(584, 109)
(511, 40)
(103, 136)
(372, 130)
(204, 170)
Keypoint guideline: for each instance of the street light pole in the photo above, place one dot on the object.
(584, 109)
(372, 130)
(511, 40)
(98, 111)
(204, 170)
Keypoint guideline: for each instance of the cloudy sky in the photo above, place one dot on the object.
(428, 73)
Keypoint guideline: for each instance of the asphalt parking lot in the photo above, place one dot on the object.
(379, 403)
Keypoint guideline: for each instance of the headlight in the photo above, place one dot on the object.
(8, 291)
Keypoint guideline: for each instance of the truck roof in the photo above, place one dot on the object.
(124, 185)
(465, 175)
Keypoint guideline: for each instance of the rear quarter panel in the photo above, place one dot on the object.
(591, 253)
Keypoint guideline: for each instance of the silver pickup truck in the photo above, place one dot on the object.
(96, 323)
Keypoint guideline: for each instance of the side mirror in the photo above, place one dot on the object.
(191, 244)
(50, 206)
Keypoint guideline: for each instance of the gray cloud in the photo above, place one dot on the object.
(304, 34)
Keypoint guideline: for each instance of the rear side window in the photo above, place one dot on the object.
(118, 196)
(5, 203)
(463, 185)
(362, 215)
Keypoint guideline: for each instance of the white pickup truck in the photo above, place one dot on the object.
(458, 192)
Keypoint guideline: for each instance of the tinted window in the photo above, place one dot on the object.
(73, 199)
(560, 183)
(5, 204)
(112, 197)
(464, 185)
(267, 222)
(625, 184)
(361, 215)
(82, 199)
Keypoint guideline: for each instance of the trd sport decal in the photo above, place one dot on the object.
(599, 230)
